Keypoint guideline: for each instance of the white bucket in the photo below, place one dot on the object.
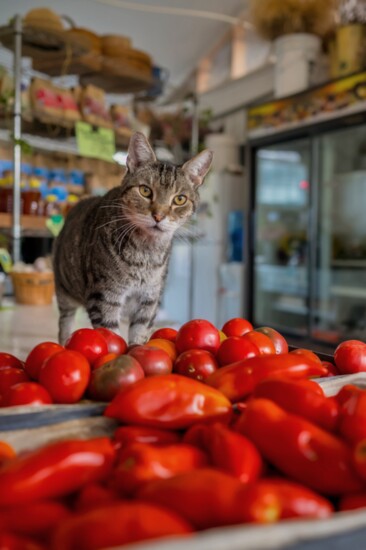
(295, 56)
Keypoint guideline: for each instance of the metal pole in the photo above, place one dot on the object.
(17, 134)
(194, 151)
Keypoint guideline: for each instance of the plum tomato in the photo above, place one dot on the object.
(27, 393)
(8, 360)
(65, 375)
(89, 342)
(113, 377)
(196, 363)
(237, 327)
(307, 353)
(263, 342)
(38, 355)
(350, 357)
(165, 333)
(10, 376)
(236, 348)
(161, 343)
(153, 360)
(198, 334)
(278, 340)
(116, 344)
(103, 359)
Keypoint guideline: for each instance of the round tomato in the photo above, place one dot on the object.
(196, 363)
(113, 377)
(39, 354)
(10, 376)
(198, 334)
(307, 353)
(116, 344)
(153, 360)
(104, 359)
(89, 342)
(6, 452)
(263, 342)
(66, 376)
(165, 345)
(237, 327)
(8, 360)
(236, 348)
(26, 393)
(332, 369)
(278, 340)
(165, 333)
(350, 357)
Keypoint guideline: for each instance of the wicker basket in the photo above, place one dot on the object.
(36, 289)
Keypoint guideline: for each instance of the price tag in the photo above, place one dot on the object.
(98, 143)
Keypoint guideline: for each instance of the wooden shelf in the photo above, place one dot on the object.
(31, 225)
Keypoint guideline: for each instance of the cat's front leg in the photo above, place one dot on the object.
(104, 310)
(142, 319)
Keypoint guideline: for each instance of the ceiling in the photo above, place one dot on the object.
(175, 42)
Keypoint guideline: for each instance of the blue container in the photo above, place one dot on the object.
(76, 177)
(236, 236)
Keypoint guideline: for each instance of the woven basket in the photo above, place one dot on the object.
(113, 44)
(35, 289)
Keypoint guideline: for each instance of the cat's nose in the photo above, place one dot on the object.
(158, 216)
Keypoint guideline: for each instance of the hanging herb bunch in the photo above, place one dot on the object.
(352, 11)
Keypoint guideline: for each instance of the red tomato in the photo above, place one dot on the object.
(39, 354)
(10, 376)
(66, 376)
(8, 360)
(310, 354)
(198, 334)
(196, 363)
(153, 360)
(278, 340)
(332, 369)
(236, 348)
(166, 345)
(350, 357)
(165, 333)
(103, 359)
(89, 342)
(116, 344)
(237, 327)
(263, 342)
(26, 393)
(113, 377)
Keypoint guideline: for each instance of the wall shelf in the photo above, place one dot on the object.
(31, 225)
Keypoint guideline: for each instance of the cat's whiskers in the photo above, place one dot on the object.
(113, 220)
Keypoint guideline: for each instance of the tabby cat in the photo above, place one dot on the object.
(113, 251)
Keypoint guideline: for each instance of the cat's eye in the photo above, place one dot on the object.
(145, 191)
(179, 200)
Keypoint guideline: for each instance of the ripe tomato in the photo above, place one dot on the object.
(196, 363)
(65, 375)
(263, 342)
(89, 342)
(165, 333)
(278, 340)
(332, 369)
(237, 327)
(198, 334)
(103, 359)
(153, 360)
(10, 376)
(165, 345)
(6, 452)
(116, 344)
(8, 360)
(39, 354)
(113, 377)
(236, 348)
(307, 353)
(350, 357)
(26, 393)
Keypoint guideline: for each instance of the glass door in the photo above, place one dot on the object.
(281, 265)
(339, 311)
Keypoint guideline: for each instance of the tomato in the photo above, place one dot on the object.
(310, 354)
(153, 360)
(26, 393)
(166, 345)
(350, 357)
(222, 336)
(278, 340)
(39, 354)
(198, 334)
(6, 452)
(236, 348)
(116, 344)
(8, 360)
(89, 342)
(66, 376)
(10, 376)
(237, 327)
(332, 369)
(263, 342)
(103, 359)
(165, 333)
(196, 363)
(110, 378)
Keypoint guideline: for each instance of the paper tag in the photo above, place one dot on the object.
(95, 142)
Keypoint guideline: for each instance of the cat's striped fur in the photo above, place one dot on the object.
(112, 254)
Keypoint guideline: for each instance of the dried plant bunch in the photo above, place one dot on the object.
(352, 11)
(274, 18)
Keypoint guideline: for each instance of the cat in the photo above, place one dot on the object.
(112, 254)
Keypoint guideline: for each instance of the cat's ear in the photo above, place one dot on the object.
(139, 152)
(197, 167)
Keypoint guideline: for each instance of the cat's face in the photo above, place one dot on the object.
(159, 197)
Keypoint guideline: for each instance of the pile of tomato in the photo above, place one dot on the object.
(216, 428)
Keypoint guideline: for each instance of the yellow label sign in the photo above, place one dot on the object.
(95, 142)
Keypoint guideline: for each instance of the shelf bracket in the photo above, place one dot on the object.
(17, 134)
